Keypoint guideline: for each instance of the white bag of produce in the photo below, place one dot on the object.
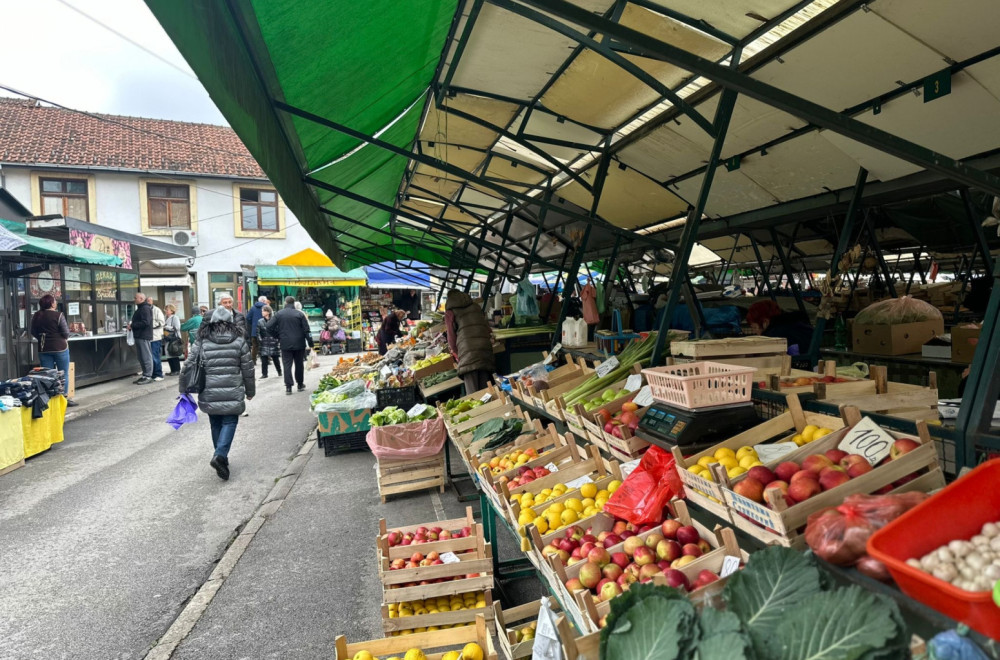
(546, 646)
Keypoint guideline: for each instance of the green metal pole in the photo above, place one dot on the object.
(977, 229)
(571, 277)
(766, 273)
(786, 266)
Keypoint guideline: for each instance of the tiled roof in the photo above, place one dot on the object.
(32, 134)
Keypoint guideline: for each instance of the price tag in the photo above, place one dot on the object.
(416, 410)
(386, 371)
(868, 439)
(628, 468)
(775, 452)
(633, 383)
(607, 367)
(576, 483)
(729, 566)
(486, 397)
(552, 467)
(644, 397)
(452, 558)
(553, 354)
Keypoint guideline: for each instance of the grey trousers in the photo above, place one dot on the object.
(476, 380)
(144, 351)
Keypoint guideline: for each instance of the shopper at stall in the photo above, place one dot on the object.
(268, 343)
(156, 346)
(766, 318)
(239, 320)
(409, 302)
(229, 380)
(191, 327)
(142, 333)
(294, 337)
(49, 327)
(173, 343)
(391, 327)
(253, 318)
(470, 340)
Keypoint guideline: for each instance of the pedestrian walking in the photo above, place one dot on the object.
(49, 327)
(224, 354)
(191, 327)
(268, 341)
(239, 320)
(253, 318)
(173, 344)
(142, 332)
(292, 330)
(156, 346)
(470, 340)
(390, 329)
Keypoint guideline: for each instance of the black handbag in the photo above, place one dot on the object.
(194, 377)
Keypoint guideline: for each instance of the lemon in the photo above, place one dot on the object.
(747, 461)
(415, 654)
(587, 502)
(809, 431)
(559, 487)
(822, 433)
(707, 475)
(602, 495)
(363, 655)
(588, 490)
(569, 516)
(735, 471)
(754, 464)
(451, 655)
(554, 520)
(729, 462)
(697, 469)
(589, 511)
(613, 486)
(743, 451)
(705, 461)
(574, 504)
(799, 439)
(471, 651)
(723, 452)
(542, 525)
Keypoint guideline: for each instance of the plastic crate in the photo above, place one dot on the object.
(957, 512)
(700, 384)
(354, 346)
(344, 442)
(401, 397)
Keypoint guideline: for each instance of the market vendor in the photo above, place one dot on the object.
(410, 303)
(767, 319)
(390, 330)
(470, 340)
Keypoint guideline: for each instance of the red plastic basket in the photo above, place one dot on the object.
(957, 512)
(695, 385)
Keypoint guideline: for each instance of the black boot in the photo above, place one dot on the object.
(221, 465)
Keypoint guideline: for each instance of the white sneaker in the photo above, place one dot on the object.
(158, 379)
(246, 413)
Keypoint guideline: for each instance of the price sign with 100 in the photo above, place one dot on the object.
(867, 439)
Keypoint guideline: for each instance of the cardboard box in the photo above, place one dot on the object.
(338, 423)
(938, 348)
(898, 339)
(963, 342)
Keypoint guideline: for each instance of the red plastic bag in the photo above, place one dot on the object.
(840, 534)
(644, 493)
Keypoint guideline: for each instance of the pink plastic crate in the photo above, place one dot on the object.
(700, 384)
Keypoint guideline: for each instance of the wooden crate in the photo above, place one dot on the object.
(914, 402)
(781, 524)
(440, 388)
(601, 483)
(561, 453)
(587, 647)
(708, 494)
(405, 476)
(463, 617)
(552, 398)
(555, 446)
(446, 364)
(400, 551)
(510, 621)
(709, 349)
(534, 435)
(434, 644)
(497, 400)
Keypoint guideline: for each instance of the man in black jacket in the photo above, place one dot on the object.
(292, 330)
(142, 332)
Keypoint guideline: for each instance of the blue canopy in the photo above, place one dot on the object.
(388, 275)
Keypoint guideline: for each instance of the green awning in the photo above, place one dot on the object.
(45, 247)
(252, 56)
(309, 276)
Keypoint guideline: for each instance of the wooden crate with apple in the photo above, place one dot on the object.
(430, 536)
(407, 475)
(574, 647)
(700, 485)
(531, 430)
(515, 628)
(823, 473)
(434, 644)
(534, 436)
(610, 417)
(557, 453)
(827, 385)
(613, 395)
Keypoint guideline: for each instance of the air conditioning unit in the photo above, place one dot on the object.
(185, 238)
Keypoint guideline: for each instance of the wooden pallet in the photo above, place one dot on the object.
(395, 477)
(509, 621)
(434, 644)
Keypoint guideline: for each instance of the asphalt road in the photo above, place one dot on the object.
(104, 537)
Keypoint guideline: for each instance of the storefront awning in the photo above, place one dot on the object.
(306, 276)
(43, 246)
(388, 275)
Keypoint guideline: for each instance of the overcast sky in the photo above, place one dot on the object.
(50, 51)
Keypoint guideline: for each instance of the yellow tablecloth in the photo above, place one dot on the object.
(42, 433)
(11, 439)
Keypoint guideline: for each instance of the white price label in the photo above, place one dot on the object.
(449, 558)
(729, 566)
(633, 382)
(775, 452)
(628, 468)
(486, 397)
(553, 354)
(418, 409)
(552, 467)
(386, 370)
(644, 397)
(607, 367)
(868, 439)
(576, 483)
(73, 309)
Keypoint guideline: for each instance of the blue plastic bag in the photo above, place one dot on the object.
(185, 412)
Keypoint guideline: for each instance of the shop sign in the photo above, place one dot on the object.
(98, 243)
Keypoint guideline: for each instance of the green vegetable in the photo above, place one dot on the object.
(488, 428)
(649, 622)
(434, 379)
(508, 433)
(392, 415)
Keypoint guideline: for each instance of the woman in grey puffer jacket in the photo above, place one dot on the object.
(229, 381)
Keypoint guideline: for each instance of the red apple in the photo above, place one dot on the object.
(566, 544)
(669, 528)
(644, 556)
(612, 571)
(627, 579)
(663, 564)
(397, 564)
(704, 545)
(780, 486)
(610, 590)
(668, 550)
(603, 535)
(620, 558)
(633, 570)
(574, 584)
(677, 579)
(832, 477)
(648, 572)
(653, 540)
(705, 576)
(575, 554)
(644, 528)
(835, 455)
(691, 550)
(394, 538)
(416, 557)
(564, 556)
(802, 489)
(687, 534)
(550, 549)
(600, 584)
(802, 474)
(599, 556)
(816, 462)
(612, 539)
(627, 534)
(852, 459)
(858, 469)
(421, 531)
(619, 527)
(432, 536)
(590, 574)
(432, 555)
(750, 488)
(588, 538)
(586, 548)
(785, 470)
(631, 544)
(902, 446)
(761, 474)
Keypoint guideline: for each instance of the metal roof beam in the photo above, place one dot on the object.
(463, 41)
